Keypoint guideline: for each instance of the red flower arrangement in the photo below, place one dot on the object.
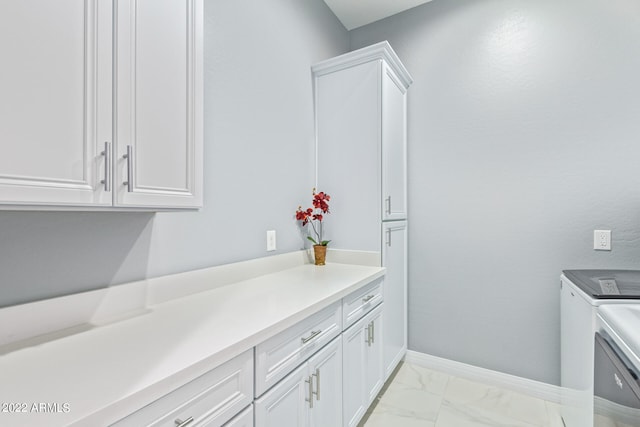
(320, 207)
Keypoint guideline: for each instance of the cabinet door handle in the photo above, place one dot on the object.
(388, 200)
(107, 166)
(373, 332)
(310, 337)
(317, 392)
(369, 334)
(180, 423)
(310, 399)
(129, 157)
(368, 298)
(388, 237)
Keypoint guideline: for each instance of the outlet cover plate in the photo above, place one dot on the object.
(271, 240)
(602, 240)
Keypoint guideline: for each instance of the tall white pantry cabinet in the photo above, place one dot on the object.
(101, 104)
(361, 115)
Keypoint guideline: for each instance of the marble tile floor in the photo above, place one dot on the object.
(420, 397)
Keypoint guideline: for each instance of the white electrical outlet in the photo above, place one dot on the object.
(602, 240)
(271, 240)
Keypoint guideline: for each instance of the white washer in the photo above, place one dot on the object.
(617, 366)
(582, 292)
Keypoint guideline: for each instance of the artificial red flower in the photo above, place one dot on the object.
(319, 201)
(303, 215)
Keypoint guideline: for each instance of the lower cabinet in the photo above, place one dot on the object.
(362, 365)
(309, 396)
(243, 419)
(326, 371)
(394, 259)
(281, 354)
(209, 400)
(315, 373)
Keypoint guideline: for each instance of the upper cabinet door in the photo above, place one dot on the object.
(394, 147)
(55, 101)
(159, 103)
(360, 112)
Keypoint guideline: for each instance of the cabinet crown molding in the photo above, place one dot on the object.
(374, 52)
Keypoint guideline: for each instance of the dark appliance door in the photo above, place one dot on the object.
(616, 388)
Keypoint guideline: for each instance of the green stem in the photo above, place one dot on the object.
(315, 231)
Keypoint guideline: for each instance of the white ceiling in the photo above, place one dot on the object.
(356, 13)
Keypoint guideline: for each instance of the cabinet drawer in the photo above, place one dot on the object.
(360, 302)
(217, 396)
(279, 355)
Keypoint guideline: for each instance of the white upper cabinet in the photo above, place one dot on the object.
(159, 103)
(55, 102)
(67, 121)
(361, 142)
(394, 146)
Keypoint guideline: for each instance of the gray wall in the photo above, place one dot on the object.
(259, 165)
(524, 137)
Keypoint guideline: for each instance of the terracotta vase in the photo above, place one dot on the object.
(320, 253)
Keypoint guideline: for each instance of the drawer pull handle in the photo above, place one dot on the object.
(180, 423)
(312, 336)
(368, 298)
(317, 392)
(310, 399)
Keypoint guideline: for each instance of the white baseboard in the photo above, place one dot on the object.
(526, 386)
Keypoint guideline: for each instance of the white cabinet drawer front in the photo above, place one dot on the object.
(279, 355)
(217, 396)
(360, 302)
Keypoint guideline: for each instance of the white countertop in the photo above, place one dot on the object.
(105, 372)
